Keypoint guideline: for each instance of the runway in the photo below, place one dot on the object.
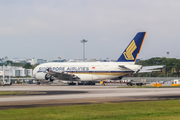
(68, 95)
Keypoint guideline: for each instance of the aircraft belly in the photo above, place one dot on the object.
(85, 77)
(99, 76)
(95, 77)
(102, 77)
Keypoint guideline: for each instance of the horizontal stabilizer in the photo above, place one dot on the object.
(146, 69)
(124, 67)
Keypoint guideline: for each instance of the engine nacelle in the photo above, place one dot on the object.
(42, 76)
(52, 78)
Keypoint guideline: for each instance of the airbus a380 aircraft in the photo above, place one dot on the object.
(92, 71)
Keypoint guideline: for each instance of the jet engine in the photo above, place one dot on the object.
(42, 76)
(52, 78)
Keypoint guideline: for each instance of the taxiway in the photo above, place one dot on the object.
(67, 95)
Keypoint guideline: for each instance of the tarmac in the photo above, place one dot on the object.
(57, 95)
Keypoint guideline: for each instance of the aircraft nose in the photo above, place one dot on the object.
(34, 73)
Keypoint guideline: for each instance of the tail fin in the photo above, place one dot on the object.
(131, 52)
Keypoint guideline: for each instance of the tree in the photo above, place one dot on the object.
(8, 62)
(27, 66)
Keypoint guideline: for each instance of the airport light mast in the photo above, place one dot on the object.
(167, 54)
(83, 41)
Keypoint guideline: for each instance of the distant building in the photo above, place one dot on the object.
(15, 71)
(59, 60)
(37, 61)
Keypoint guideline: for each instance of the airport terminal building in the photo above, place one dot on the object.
(14, 71)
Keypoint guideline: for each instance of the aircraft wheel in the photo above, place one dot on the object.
(38, 83)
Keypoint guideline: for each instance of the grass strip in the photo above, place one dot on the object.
(146, 110)
(11, 93)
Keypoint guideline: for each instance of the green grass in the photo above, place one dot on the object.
(11, 93)
(146, 110)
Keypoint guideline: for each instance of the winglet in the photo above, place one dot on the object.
(131, 52)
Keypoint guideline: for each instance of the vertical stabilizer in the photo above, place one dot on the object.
(133, 49)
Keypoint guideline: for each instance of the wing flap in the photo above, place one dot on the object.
(61, 75)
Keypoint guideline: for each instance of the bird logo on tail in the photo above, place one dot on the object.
(130, 49)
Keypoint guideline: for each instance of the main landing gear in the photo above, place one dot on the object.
(72, 83)
(87, 83)
(83, 83)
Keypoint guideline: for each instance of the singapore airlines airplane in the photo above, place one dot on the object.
(92, 71)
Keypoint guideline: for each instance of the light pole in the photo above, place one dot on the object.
(167, 57)
(83, 41)
(3, 73)
(3, 60)
(167, 54)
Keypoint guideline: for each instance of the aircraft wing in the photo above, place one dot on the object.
(151, 68)
(61, 75)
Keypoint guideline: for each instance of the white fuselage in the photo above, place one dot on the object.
(88, 71)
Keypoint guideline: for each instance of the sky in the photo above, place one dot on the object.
(49, 29)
